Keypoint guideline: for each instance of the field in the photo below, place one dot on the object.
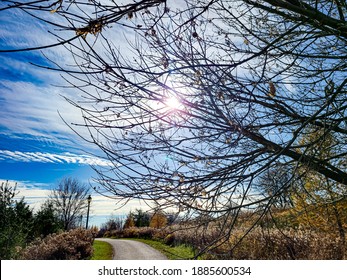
(243, 242)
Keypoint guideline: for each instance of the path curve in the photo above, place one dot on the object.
(132, 250)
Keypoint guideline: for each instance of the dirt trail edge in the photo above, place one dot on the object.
(132, 250)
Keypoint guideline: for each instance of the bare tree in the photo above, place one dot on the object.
(213, 93)
(277, 183)
(112, 224)
(69, 198)
(75, 19)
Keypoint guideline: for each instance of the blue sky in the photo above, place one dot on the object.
(37, 148)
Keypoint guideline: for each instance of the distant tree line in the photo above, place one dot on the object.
(139, 218)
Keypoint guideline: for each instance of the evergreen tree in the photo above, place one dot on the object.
(15, 222)
(47, 221)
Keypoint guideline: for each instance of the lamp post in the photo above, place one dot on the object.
(89, 199)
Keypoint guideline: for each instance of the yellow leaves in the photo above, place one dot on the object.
(81, 32)
(319, 204)
(53, 11)
(158, 220)
(94, 27)
(308, 186)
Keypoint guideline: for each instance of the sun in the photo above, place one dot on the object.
(173, 103)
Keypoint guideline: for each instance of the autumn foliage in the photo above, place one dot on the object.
(158, 220)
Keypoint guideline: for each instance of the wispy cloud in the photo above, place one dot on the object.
(30, 99)
(30, 96)
(52, 158)
(32, 109)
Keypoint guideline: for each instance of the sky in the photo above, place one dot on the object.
(37, 148)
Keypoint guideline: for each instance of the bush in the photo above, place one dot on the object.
(75, 244)
(169, 239)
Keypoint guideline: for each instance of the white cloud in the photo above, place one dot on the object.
(30, 101)
(34, 194)
(32, 109)
(53, 158)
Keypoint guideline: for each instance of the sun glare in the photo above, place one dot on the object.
(173, 103)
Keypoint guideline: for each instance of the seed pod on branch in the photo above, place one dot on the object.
(272, 90)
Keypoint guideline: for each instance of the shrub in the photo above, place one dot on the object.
(75, 244)
(169, 239)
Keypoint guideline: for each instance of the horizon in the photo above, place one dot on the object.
(102, 209)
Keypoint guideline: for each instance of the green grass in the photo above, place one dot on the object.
(102, 250)
(181, 252)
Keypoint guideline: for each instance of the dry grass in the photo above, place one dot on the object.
(275, 244)
(258, 244)
(76, 244)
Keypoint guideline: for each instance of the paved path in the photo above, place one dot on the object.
(132, 250)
